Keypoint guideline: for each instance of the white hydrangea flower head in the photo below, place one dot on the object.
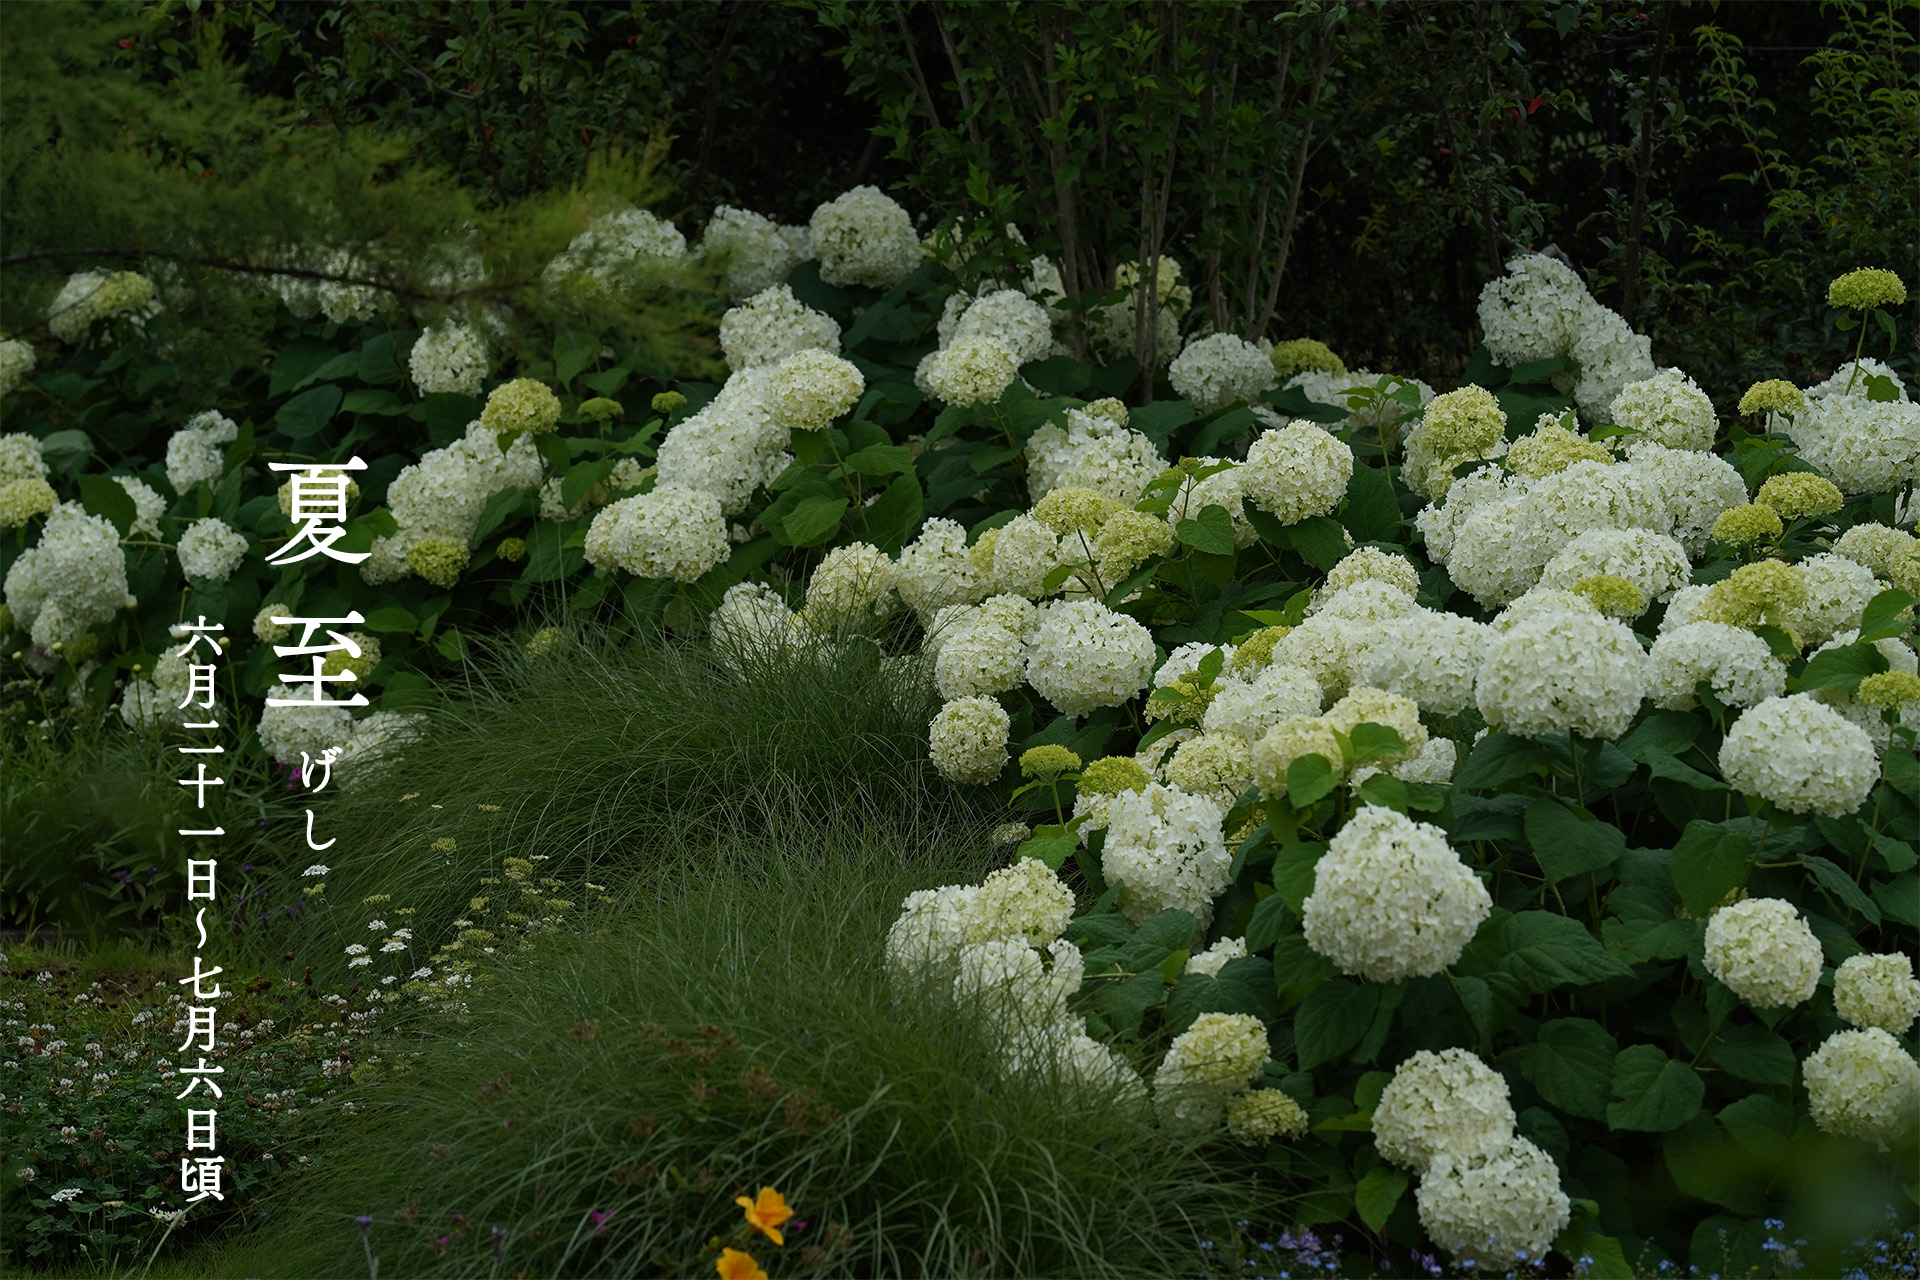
(1432, 763)
(377, 740)
(1007, 316)
(732, 446)
(971, 371)
(931, 927)
(1539, 601)
(617, 250)
(1371, 564)
(1085, 656)
(1113, 329)
(1211, 961)
(1024, 901)
(1507, 1205)
(1364, 705)
(1669, 409)
(969, 739)
(1838, 591)
(21, 458)
(864, 237)
(1695, 489)
(1429, 657)
(1561, 670)
(1442, 1104)
(1092, 452)
(1763, 951)
(758, 257)
(1735, 661)
(161, 700)
(72, 580)
(852, 585)
(148, 506)
(1007, 980)
(1216, 765)
(1219, 370)
(772, 325)
(1534, 311)
(1166, 847)
(1494, 553)
(1016, 558)
(1329, 646)
(17, 360)
(934, 570)
(210, 550)
(1589, 495)
(1391, 899)
(752, 618)
(811, 388)
(1289, 740)
(1863, 446)
(1205, 1067)
(981, 653)
(1800, 754)
(1297, 471)
(1372, 603)
(449, 358)
(1610, 355)
(194, 453)
(1248, 708)
(673, 532)
(1654, 563)
(1224, 488)
(1684, 608)
(1893, 554)
(99, 295)
(285, 732)
(1877, 991)
(1862, 1084)
(22, 500)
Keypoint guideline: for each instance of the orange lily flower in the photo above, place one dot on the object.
(767, 1214)
(735, 1265)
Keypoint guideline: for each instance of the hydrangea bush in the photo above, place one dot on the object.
(1492, 783)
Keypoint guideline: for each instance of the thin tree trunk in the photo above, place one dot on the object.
(1636, 223)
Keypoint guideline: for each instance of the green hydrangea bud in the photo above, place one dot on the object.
(512, 550)
(1865, 289)
(1069, 511)
(1889, 689)
(1552, 448)
(1765, 593)
(1261, 1115)
(1256, 651)
(22, 500)
(1747, 524)
(1613, 595)
(1049, 762)
(1110, 409)
(600, 408)
(667, 401)
(438, 560)
(1110, 775)
(1463, 423)
(1800, 493)
(1303, 354)
(1774, 395)
(521, 405)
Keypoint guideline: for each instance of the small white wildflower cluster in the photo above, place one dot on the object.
(1391, 899)
(1541, 309)
(449, 357)
(99, 295)
(194, 453)
(1483, 1191)
(759, 252)
(1000, 942)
